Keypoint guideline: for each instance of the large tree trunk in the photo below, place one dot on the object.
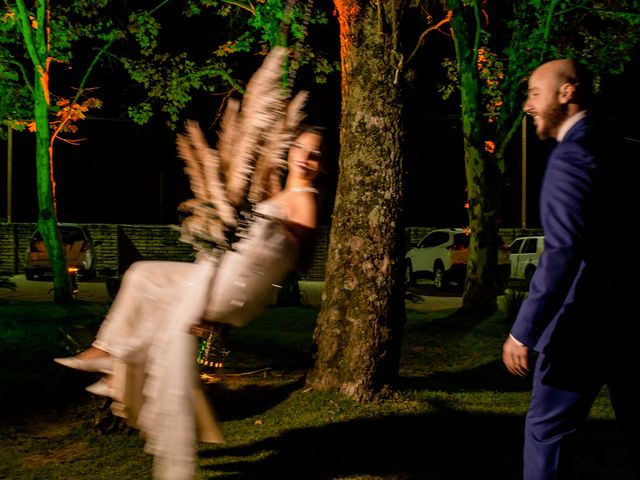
(483, 182)
(360, 326)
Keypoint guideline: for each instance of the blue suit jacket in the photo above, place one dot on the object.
(579, 293)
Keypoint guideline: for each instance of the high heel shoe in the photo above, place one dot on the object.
(99, 364)
(102, 387)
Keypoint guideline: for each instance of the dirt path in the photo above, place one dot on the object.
(96, 291)
(40, 290)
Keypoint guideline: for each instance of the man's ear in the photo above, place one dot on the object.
(567, 92)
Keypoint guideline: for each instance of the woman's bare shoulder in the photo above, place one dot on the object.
(303, 209)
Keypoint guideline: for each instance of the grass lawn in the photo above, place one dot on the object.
(454, 414)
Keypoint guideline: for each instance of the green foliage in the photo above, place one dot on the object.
(602, 34)
(453, 74)
(15, 89)
(155, 48)
(144, 29)
(69, 26)
(174, 72)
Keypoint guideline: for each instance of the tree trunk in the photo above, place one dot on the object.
(483, 181)
(359, 330)
(47, 219)
(36, 41)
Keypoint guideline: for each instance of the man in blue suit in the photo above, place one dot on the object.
(577, 330)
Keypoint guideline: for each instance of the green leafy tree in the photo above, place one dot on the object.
(175, 71)
(491, 74)
(36, 39)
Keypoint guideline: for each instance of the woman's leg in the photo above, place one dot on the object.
(139, 310)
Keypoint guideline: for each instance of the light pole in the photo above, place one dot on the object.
(9, 170)
(523, 194)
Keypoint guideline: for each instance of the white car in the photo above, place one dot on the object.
(524, 256)
(441, 255)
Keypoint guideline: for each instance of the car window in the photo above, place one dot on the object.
(515, 246)
(434, 239)
(530, 245)
(71, 235)
(461, 240)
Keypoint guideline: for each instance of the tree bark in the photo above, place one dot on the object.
(483, 180)
(359, 329)
(37, 44)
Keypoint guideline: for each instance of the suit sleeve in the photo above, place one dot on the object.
(564, 205)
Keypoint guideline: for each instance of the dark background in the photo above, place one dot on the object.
(125, 173)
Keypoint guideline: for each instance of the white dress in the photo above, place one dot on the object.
(156, 385)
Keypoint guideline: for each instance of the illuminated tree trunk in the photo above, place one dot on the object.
(482, 174)
(359, 329)
(37, 43)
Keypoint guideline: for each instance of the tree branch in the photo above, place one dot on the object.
(80, 91)
(26, 32)
(23, 73)
(476, 37)
(249, 8)
(600, 10)
(424, 34)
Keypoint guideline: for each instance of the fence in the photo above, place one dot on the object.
(124, 244)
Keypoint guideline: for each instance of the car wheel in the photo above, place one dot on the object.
(438, 277)
(409, 277)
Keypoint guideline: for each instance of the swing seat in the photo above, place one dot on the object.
(211, 352)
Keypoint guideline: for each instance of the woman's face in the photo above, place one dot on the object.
(304, 156)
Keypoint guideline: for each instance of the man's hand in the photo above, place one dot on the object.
(515, 357)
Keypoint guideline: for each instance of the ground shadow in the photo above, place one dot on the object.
(444, 445)
(489, 376)
(233, 399)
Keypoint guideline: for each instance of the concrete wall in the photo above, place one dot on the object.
(124, 244)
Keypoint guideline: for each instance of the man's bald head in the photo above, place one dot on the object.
(557, 90)
(567, 71)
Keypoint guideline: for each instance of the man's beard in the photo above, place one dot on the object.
(552, 119)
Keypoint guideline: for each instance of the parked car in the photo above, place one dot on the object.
(524, 256)
(442, 255)
(78, 244)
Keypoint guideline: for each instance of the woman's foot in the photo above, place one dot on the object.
(102, 387)
(91, 353)
(91, 360)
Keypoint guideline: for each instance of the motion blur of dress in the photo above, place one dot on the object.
(156, 384)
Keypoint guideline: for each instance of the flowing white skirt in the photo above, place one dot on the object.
(156, 382)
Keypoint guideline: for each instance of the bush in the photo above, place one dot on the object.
(511, 302)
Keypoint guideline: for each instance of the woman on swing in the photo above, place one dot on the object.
(144, 348)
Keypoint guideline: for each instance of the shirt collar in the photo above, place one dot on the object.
(568, 123)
